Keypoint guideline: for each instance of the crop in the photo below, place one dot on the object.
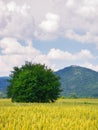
(65, 114)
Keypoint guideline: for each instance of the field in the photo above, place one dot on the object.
(64, 114)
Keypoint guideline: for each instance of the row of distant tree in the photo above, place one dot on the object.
(2, 95)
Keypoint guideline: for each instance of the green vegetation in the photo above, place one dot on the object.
(33, 83)
(81, 82)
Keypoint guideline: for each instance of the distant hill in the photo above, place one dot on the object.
(3, 86)
(78, 80)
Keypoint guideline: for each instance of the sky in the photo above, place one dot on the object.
(57, 33)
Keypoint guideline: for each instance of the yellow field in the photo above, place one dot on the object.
(65, 114)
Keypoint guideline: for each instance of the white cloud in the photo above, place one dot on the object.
(58, 54)
(51, 23)
(70, 3)
(64, 55)
(11, 46)
(84, 54)
(4, 68)
(13, 7)
(88, 37)
(90, 66)
(28, 20)
(13, 53)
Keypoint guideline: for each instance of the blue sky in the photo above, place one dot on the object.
(52, 32)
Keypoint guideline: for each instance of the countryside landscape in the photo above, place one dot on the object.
(73, 110)
(48, 64)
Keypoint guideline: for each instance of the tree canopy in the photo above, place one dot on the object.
(33, 83)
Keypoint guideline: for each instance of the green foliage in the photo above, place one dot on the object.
(33, 83)
(81, 81)
(73, 95)
(62, 97)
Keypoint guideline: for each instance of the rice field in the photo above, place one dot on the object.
(64, 114)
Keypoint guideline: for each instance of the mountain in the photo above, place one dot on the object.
(3, 86)
(80, 81)
(76, 80)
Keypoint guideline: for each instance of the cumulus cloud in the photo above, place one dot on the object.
(45, 20)
(64, 55)
(87, 37)
(90, 66)
(13, 53)
(13, 7)
(51, 24)
(30, 19)
(10, 46)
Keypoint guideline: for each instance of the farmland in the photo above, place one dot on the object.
(64, 114)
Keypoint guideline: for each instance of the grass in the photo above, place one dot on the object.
(64, 114)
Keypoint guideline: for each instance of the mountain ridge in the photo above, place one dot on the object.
(79, 80)
(75, 79)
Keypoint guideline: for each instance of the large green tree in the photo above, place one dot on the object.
(33, 83)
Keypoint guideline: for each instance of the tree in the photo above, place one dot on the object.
(33, 83)
(73, 95)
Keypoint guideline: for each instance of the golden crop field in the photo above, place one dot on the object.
(64, 114)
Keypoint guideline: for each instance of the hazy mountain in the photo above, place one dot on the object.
(81, 81)
(3, 86)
